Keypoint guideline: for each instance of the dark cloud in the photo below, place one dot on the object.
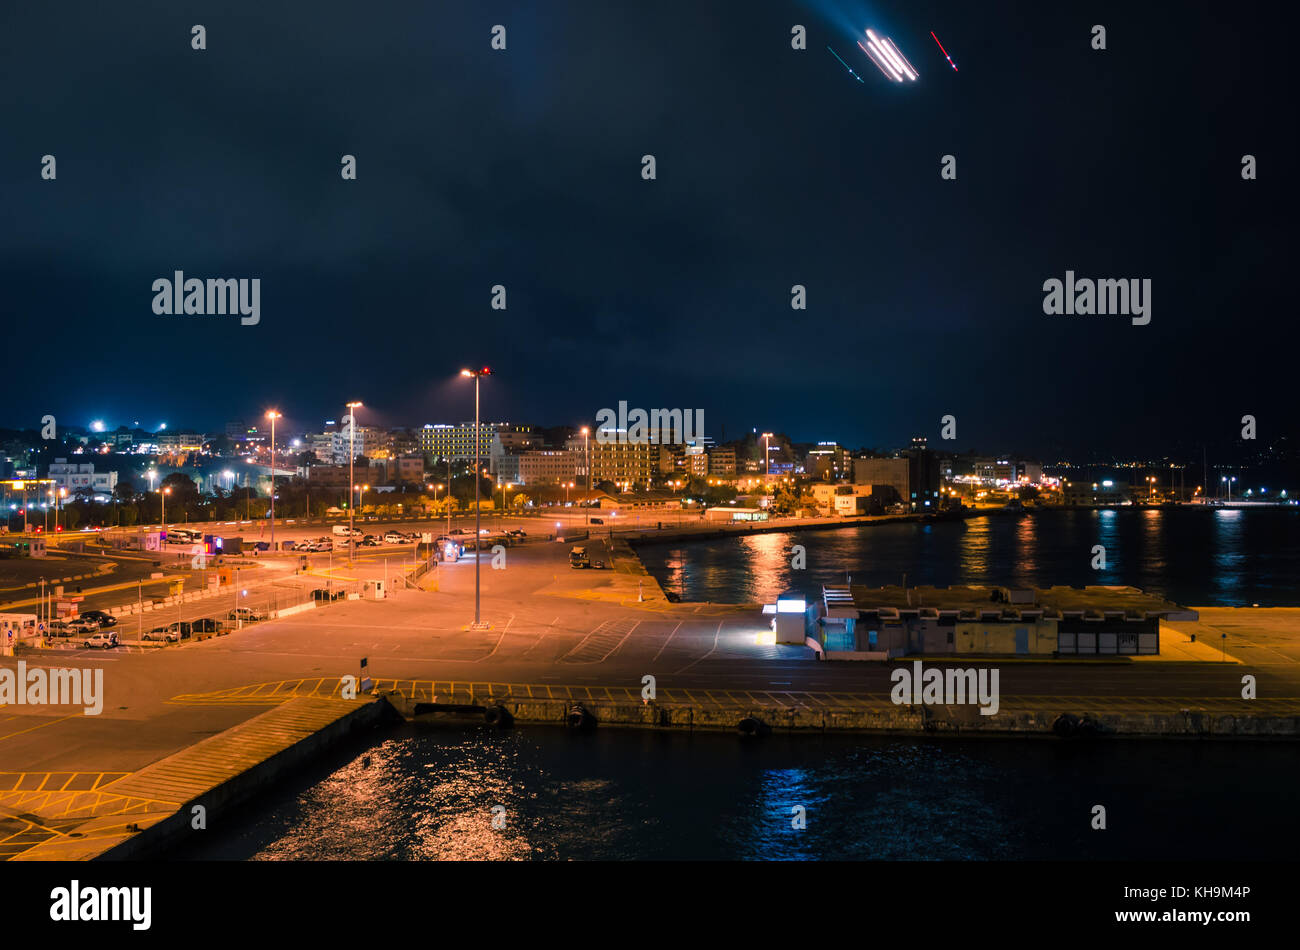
(775, 168)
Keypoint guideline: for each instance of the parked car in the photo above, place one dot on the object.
(517, 533)
(58, 628)
(457, 531)
(81, 625)
(369, 541)
(101, 618)
(344, 531)
(322, 593)
(597, 520)
(102, 641)
(395, 537)
(162, 634)
(208, 625)
(246, 614)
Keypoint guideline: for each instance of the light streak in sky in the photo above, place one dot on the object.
(945, 52)
(845, 65)
(888, 58)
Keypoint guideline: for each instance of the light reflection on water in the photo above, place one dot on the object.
(427, 793)
(1227, 557)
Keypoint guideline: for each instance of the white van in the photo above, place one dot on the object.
(344, 531)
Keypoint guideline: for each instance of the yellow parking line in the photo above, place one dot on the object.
(42, 725)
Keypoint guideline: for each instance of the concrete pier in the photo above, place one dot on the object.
(143, 812)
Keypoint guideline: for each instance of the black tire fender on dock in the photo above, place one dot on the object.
(498, 716)
(1066, 725)
(749, 726)
(579, 719)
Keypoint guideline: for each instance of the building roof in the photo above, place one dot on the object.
(1003, 603)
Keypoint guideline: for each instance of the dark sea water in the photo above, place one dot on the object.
(1206, 557)
(428, 792)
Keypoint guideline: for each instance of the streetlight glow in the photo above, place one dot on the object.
(272, 415)
(478, 482)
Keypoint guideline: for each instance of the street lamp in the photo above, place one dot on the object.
(586, 451)
(476, 375)
(273, 415)
(162, 504)
(352, 455)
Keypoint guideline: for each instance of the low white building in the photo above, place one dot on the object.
(81, 476)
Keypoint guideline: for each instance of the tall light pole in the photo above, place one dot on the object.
(586, 451)
(352, 482)
(476, 375)
(767, 455)
(273, 415)
(162, 504)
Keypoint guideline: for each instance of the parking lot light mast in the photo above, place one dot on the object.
(162, 504)
(352, 483)
(273, 415)
(586, 452)
(476, 375)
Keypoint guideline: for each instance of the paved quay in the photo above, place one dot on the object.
(556, 637)
(53, 818)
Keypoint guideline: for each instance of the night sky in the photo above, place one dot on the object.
(775, 167)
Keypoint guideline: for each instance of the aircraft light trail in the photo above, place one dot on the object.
(845, 65)
(888, 58)
(945, 52)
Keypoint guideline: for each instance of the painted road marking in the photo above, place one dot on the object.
(42, 725)
(668, 641)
